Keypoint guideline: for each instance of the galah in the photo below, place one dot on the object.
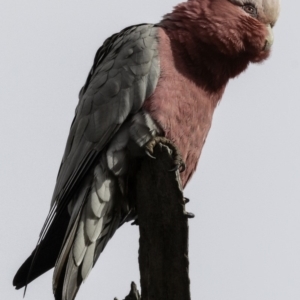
(148, 82)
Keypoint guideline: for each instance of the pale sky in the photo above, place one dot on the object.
(245, 239)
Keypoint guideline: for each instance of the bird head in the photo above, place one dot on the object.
(254, 25)
(242, 26)
(231, 27)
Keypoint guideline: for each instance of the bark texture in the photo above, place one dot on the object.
(163, 253)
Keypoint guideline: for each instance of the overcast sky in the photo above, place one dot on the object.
(245, 239)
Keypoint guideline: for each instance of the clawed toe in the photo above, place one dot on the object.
(189, 215)
(179, 164)
(186, 200)
(149, 154)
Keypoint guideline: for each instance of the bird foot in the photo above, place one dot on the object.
(187, 214)
(162, 141)
(186, 200)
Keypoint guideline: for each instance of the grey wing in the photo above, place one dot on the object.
(125, 73)
(96, 217)
(117, 86)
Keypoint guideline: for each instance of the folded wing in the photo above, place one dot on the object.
(124, 74)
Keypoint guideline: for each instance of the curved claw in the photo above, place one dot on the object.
(175, 168)
(163, 141)
(180, 167)
(189, 215)
(149, 154)
(186, 200)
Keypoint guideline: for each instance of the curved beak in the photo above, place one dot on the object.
(269, 38)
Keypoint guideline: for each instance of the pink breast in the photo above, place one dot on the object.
(182, 109)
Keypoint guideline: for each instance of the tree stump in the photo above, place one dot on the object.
(163, 253)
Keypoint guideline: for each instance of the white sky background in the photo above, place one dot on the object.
(245, 239)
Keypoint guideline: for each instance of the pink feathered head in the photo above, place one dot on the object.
(231, 27)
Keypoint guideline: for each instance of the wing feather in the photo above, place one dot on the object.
(111, 92)
(116, 88)
(88, 261)
(125, 72)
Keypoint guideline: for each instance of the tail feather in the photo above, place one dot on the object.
(47, 254)
(72, 280)
(88, 261)
(61, 263)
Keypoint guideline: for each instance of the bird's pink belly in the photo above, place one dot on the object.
(184, 120)
(181, 108)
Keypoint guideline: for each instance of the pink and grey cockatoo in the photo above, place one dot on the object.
(147, 82)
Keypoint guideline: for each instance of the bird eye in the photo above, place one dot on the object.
(250, 9)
